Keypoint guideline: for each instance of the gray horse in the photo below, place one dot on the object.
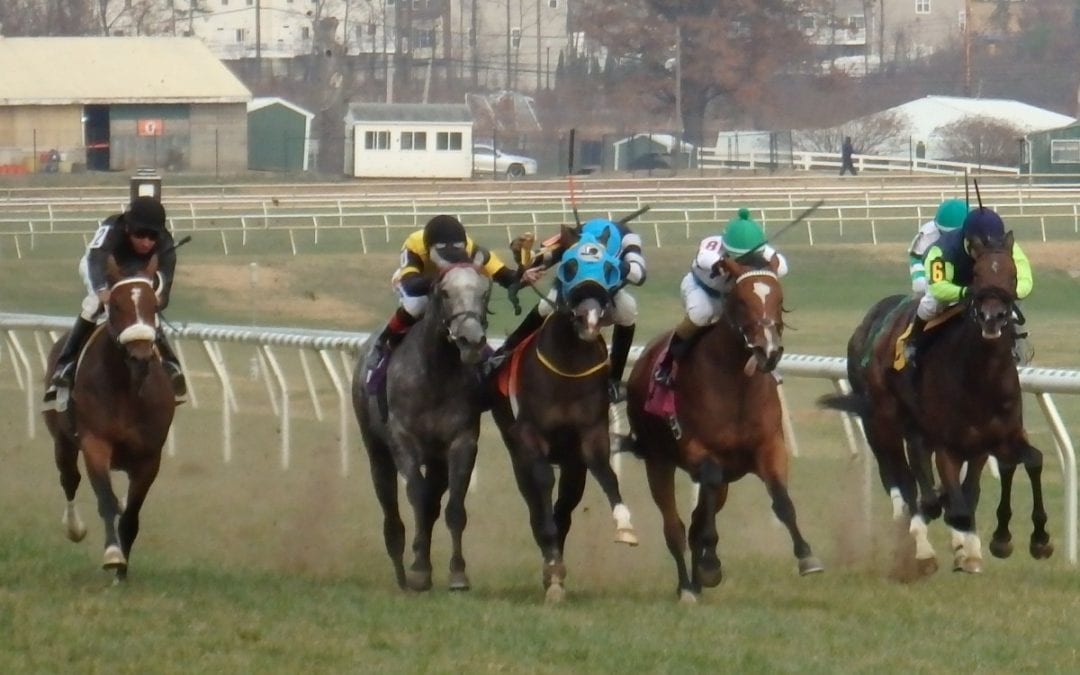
(429, 430)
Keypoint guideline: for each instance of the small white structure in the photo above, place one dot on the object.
(409, 140)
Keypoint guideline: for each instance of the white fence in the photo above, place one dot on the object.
(336, 352)
(805, 160)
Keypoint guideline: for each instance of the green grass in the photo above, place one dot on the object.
(244, 567)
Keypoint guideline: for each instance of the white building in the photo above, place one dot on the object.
(409, 140)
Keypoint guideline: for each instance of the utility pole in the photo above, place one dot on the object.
(967, 47)
(538, 34)
(258, 38)
(678, 81)
(508, 44)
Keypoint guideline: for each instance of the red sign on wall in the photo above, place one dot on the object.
(150, 127)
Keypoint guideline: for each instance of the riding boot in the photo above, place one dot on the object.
(390, 337)
(622, 339)
(677, 347)
(64, 371)
(529, 325)
(912, 345)
(172, 367)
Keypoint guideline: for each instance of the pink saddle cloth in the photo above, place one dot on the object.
(660, 399)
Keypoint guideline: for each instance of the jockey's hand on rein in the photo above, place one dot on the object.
(531, 275)
(103, 296)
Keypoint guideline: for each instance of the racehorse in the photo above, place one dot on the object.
(725, 422)
(969, 410)
(122, 408)
(429, 430)
(559, 414)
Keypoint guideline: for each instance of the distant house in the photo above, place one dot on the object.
(408, 140)
(1054, 151)
(279, 135)
(116, 103)
(922, 121)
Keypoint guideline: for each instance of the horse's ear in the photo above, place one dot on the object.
(976, 245)
(151, 267)
(479, 257)
(1009, 240)
(603, 238)
(568, 236)
(112, 271)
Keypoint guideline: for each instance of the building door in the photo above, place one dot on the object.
(96, 137)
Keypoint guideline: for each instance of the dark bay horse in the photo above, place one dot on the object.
(559, 416)
(433, 404)
(121, 410)
(966, 406)
(726, 423)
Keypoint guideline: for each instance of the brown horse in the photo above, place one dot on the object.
(726, 423)
(971, 408)
(122, 407)
(559, 416)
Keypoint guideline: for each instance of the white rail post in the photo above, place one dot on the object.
(279, 375)
(19, 358)
(343, 409)
(310, 382)
(1067, 456)
(228, 400)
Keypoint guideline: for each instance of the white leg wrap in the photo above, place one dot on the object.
(923, 548)
(622, 517)
(899, 508)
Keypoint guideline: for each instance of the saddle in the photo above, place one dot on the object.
(899, 360)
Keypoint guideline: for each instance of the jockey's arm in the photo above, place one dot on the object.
(940, 273)
(410, 274)
(494, 268)
(770, 254)
(633, 263)
(104, 243)
(1024, 280)
(166, 269)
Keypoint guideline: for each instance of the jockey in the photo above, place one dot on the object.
(950, 267)
(130, 238)
(443, 240)
(950, 215)
(622, 243)
(704, 287)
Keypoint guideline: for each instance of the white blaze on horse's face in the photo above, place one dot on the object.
(140, 327)
(762, 335)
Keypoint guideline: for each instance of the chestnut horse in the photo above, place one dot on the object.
(120, 412)
(433, 401)
(559, 416)
(970, 408)
(726, 423)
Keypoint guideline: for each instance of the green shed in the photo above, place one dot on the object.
(1054, 151)
(279, 135)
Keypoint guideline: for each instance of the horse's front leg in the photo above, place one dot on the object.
(596, 451)
(66, 454)
(536, 479)
(705, 567)
(661, 476)
(958, 515)
(409, 452)
(97, 454)
(967, 547)
(139, 481)
(571, 488)
(773, 470)
(1041, 547)
(1001, 542)
(460, 461)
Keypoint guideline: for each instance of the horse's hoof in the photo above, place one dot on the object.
(710, 577)
(459, 581)
(74, 528)
(687, 597)
(554, 594)
(968, 565)
(810, 565)
(926, 566)
(1001, 548)
(114, 559)
(418, 580)
(76, 535)
(1041, 551)
(626, 536)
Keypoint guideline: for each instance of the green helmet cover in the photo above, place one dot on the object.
(950, 214)
(742, 235)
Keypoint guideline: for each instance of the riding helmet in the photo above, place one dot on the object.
(444, 231)
(145, 213)
(950, 214)
(983, 223)
(742, 235)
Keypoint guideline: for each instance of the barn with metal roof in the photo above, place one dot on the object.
(117, 103)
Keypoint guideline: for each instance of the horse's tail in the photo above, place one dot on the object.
(856, 404)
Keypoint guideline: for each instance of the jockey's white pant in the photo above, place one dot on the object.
(91, 305)
(415, 305)
(624, 311)
(929, 307)
(702, 308)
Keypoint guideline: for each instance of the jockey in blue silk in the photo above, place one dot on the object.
(950, 270)
(131, 239)
(950, 216)
(442, 241)
(704, 287)
(621, 244)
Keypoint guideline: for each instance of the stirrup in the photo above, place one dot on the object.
(64, 376)
(616, 391)
(493, 363)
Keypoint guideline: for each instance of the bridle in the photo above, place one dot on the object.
(762, 322)
(457, 318)
(140, 329)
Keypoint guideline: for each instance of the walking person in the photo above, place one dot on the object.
(846, 164)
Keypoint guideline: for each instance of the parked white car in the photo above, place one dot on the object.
(487, 159)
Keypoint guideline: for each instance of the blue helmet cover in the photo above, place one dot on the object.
(588, 261)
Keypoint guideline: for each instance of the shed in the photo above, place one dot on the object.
(409, 140)
(651, 151)
(1054, 151)
(279, 135)
(117, 103)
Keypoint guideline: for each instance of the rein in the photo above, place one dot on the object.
(547, 363)
(752, 274)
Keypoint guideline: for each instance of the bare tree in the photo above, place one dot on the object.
(982, 141)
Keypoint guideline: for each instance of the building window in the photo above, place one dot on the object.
(554, 4)
(414, 140)
(376, 140)
(240, 35)
(962, 20)
(305, 33)
(1065, 151)
(922, 6)
(448, 140)
(224, 3)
